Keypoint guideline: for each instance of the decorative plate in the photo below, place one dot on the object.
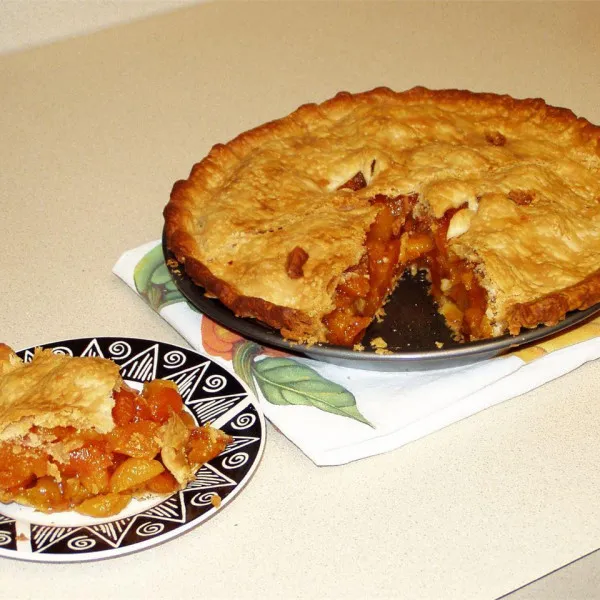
(210, 393)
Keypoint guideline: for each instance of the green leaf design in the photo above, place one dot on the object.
(160, 275)
(154, 296)
(170, 285)
(243, 356)
(153, 280)
(142, 273)
(284, 381)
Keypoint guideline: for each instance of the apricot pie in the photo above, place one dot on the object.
(73, 435)
(308, 222)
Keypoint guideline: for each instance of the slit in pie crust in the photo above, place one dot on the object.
(306, 223)
(74, 436)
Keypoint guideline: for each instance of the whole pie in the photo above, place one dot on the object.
(308, 222)
(73, 435)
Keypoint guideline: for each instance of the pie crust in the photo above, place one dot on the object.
(57, 390)
(273, 221)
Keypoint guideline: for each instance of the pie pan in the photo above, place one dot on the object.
(416, 335)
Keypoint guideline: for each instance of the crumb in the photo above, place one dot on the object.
(171, 262)
(380, 314)
(215, 500)
(439, 344)
(382, 351)
(378, 343)
(358, 347)
(22, 538)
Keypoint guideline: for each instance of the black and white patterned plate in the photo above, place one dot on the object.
(210, 393)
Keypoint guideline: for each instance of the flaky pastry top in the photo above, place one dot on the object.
(524, 176)
(56, 390)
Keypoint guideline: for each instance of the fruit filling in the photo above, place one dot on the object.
(455, 285)
(396, 242)
(61, 468)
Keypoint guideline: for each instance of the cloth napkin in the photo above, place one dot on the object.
(335, 414)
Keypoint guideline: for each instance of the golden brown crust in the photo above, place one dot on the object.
(525, 175)
(287, 320)
(9, 361)
(552, 308)
(174, 435)
(57, 390)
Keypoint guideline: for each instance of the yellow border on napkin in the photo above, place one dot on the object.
(560, 341)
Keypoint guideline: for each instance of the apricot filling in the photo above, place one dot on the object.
(455, 285)
(61, 468)
(399, 242)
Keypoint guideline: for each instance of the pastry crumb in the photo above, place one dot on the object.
(215, 500)
(380, 314)
(439, 344)
(383, 351)
(378, 343)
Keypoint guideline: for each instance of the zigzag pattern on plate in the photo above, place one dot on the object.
(114, 533)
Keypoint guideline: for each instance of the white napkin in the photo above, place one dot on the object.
(336, 415)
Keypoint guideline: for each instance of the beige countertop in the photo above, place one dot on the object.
(95, 131)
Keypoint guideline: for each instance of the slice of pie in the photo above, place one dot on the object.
(73, 435)
(308, 222)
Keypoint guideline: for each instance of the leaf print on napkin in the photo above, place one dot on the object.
(284, 381)
(243, 358)
(153, 280)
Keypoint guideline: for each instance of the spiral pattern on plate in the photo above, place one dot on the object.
(81, 543)
(244, 421)
(174, 359)
(119, 349)
(5, 538)
(233, 461)
(62, 350)
(202, 499)
(214, 383)
(150, 529)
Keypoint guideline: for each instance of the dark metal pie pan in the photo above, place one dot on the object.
(412, 329)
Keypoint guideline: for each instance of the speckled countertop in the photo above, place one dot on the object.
(95, 130)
